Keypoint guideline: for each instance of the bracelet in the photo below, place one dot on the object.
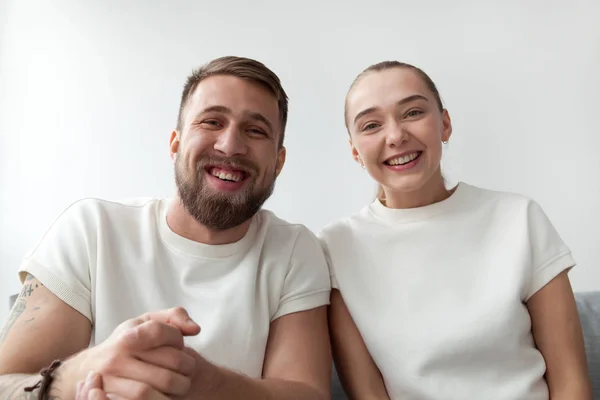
(44, 383)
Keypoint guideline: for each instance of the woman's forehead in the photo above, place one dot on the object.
(390, 85)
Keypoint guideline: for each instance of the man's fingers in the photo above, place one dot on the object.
(151, 334)
(177, 317)
(98, 394)
(161, 379)
(84, 388)
(170, 358)
(121, 388)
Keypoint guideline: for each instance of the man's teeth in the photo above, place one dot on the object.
(403, 159)
(229, 176)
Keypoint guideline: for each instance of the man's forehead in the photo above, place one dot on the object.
(225, 97)
(231, 88)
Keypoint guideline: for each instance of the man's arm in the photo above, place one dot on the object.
(558, 335)
(41, 328)
(297, 364)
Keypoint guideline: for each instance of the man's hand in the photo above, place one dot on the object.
(144, 358)
(91, 388)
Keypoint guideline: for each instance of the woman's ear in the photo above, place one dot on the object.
(447, 126)
(355, 154)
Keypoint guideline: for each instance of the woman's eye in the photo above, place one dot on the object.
(370, 126)
(414, 113)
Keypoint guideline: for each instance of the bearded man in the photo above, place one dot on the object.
(204, 295)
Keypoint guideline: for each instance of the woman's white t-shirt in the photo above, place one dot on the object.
(438, 292)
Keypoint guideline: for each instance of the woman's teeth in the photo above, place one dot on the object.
(403, 159)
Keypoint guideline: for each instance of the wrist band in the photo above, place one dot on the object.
(44, 383)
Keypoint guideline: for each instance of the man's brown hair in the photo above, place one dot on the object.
(244, 68)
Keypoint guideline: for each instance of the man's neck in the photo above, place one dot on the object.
(183, 224)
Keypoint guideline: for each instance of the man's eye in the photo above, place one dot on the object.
(255, 131)
(370, 126)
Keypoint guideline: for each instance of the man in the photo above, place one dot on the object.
(204, 296)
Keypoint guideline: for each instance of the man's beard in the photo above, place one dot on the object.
(220, 210)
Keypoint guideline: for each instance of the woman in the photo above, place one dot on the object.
(443, 293)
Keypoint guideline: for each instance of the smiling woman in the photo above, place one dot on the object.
(416, 109)
(444, 292)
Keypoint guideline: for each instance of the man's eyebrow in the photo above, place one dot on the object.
(256, 116)
(259, 117)
(221, 109)
(405, 100)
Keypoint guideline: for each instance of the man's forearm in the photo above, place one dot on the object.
(12, 387)
(227, 385)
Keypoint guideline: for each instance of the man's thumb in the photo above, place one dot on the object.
(180, 318)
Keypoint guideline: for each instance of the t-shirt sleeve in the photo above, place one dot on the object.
(61, 259)
(549, 254)
(332, 277)
(307, 283)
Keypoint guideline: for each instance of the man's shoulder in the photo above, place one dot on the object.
(280, 231)
(91, 205)
(274, 223)
(91, 212)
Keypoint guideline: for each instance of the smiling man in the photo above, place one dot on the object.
(204, 295)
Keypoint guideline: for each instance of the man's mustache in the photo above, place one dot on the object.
(234, 162)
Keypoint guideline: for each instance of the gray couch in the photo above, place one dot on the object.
(588, 305)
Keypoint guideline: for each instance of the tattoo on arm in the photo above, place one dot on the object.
(20, 306)
(12, 386)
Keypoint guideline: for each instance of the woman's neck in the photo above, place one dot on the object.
(432, 192)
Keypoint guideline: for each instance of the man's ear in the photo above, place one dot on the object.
(280, 160)
(174, 145)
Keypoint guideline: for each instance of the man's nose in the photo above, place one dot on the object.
(231, 141)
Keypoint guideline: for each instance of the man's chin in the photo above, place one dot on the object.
(236, 198)
(224, 186)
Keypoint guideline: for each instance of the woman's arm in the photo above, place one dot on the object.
(358, 373)
(557, 332)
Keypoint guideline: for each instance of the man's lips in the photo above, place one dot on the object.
(227, 173)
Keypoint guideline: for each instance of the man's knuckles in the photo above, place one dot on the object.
(151, 334)
(172, 383)
(170, 358)
(111, 362)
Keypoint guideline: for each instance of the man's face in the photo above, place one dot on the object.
(227, 156)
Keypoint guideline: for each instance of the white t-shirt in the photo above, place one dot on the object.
(438, 292)
(113, 261)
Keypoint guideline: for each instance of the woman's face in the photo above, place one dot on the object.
(396, 128)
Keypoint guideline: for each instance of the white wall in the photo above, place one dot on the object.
(90, 90)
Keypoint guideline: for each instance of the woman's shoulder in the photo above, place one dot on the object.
(505, 206)
(496, 197)
(345, 226)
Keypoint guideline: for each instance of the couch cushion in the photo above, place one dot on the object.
(588, 305)
(337, 393)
